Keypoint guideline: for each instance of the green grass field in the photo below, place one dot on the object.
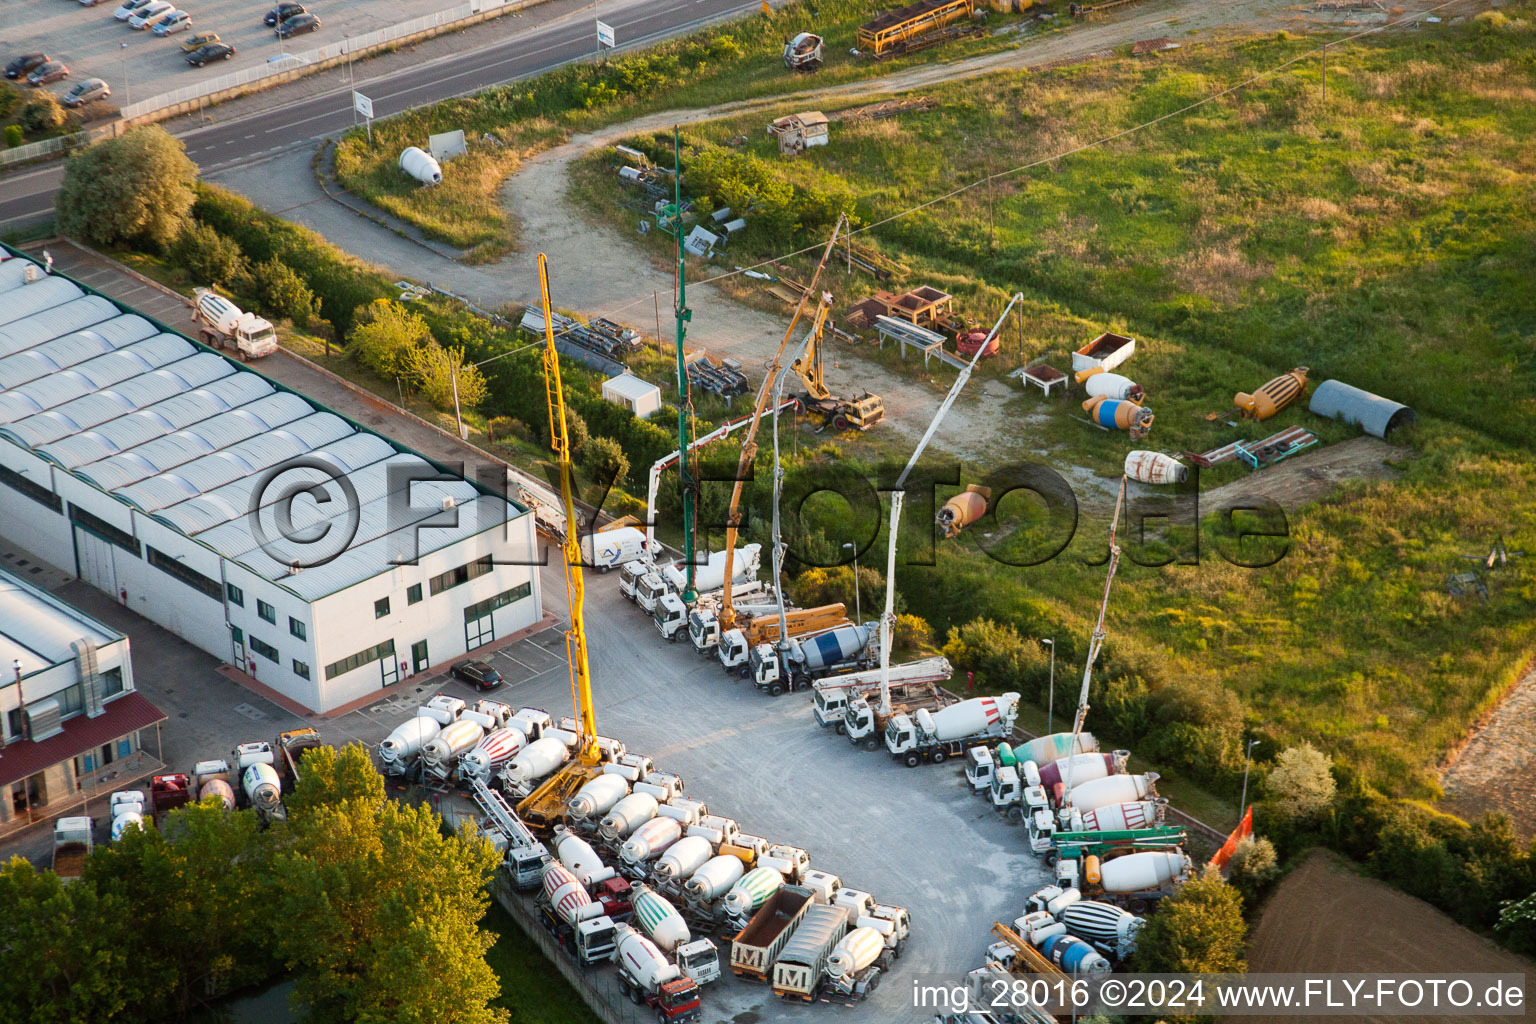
(1384, 239)
(740, 60)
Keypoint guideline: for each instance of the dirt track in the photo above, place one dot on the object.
(617, 275)
(1496, 769)
(1327, 918)
(1311, 476)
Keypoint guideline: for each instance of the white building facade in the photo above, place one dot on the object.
(188, 487)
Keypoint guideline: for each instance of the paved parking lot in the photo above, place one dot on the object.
(141, 64)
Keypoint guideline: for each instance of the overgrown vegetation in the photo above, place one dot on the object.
(31, 115)
(507, 124)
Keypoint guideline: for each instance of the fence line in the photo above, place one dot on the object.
(58, 144)
(606, 1002)
(324, 56)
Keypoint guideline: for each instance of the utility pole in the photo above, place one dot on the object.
(685, 463)
(858, 611)
(1050, 707)
(454, 376)
(1247, 761)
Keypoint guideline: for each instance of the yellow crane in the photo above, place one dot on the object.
(545, 805)
(858, 413)
(727, 613)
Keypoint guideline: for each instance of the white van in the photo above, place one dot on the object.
(608, 549)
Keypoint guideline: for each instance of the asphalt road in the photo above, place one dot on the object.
(27, 195)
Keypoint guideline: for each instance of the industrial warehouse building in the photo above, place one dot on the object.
(267, 530)
(68, 708)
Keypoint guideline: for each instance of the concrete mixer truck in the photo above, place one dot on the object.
(1127, 816)
(582, 927)
(647, 978)
(808, 658)
(1133, 873)
(756, 625)
(937, 736)
(708, 576)
(1021, 789)
(226, 327)
(982, 763)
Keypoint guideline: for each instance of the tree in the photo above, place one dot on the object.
(379, 909)
(576, 429)
(433, 367)
(281, 292)
(1301, 784)
(200, 926)
(331, 776)
(384, 336)
(136, 187)
(1197, 930)
(1517, 924)
(912, 634)
(827, 586)
(605, 460)
(14, 135)
(69, 954)
(209, 257)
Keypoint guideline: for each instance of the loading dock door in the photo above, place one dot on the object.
(94, 561)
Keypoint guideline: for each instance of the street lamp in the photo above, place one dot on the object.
(1247, 760)
(127, 86)
(858, 612)
(1050, 707)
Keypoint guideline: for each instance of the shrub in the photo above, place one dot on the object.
(41, 114)
(1301, 784)
(1000, 657)
(136, 187)
(207, 256)
(913, 634)
(605, 461)
(498, 427)
(1254, 865)
(281, 292)
(14, 136)
(385, 336)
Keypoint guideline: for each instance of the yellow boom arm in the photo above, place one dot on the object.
(560, 441)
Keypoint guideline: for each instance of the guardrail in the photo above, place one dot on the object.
(323, 57)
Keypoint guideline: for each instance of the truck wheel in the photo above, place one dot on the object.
(602, 570)
(841, 728)
(801, 681)
(745, 672)
(1050, 859)
(774, 689)
(1138, 906)
(872, 743)
(840, 422)
(661, 1017)
(913, 760)
(672, 638)
(939, 757)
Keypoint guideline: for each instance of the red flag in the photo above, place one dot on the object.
(1243, 831)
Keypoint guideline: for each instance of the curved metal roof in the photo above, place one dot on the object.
(60, 320)
(1372, 413)
(186, 435)
(38, 630)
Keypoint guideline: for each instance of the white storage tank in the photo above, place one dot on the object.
(418, 163)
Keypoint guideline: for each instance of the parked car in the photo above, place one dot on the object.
(477, 674)
(130, 8)
(149, 14)
(282, 12)
(89, 3)
(176, 21)
(24, 65)
(53, 71)
(198, 41)
(87, 91)
(298, 25)
(213, 51)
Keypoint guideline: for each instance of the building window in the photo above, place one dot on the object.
(111, 682)
(238, 634)
(381, 608)
(71, 699)
(36, 491)
(413, 593)
(264, 649)
(297, 628)
(188, 575)
(300, 669)
(463, 574)
(266, 611)
(235, 594)
(373, 653)
(480, 609)
(105, 530)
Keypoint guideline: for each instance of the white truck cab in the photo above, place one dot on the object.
(980, 767)
(704, 629)
(648, 590)
(671, 617)
(733, 651)
(630, 574)
(829, 706)
(699, 960)
(1011, 794)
